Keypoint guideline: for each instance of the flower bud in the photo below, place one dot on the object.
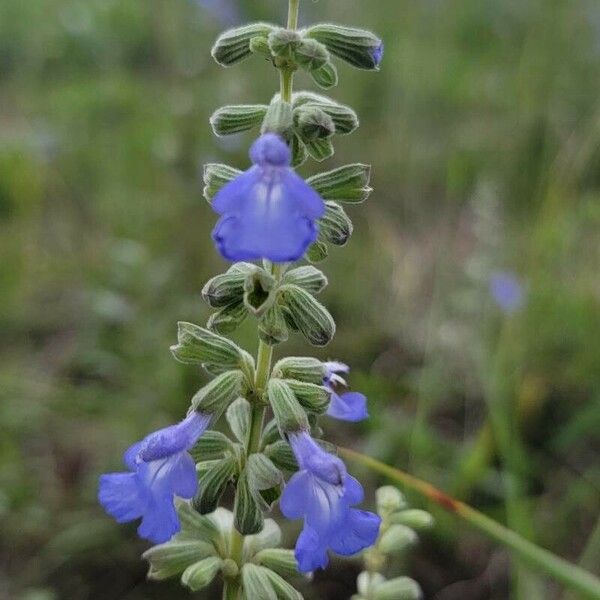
(335, 225)
(258, 288)
(344, 117)
(318, 252)
(213, 482)
(272, 327)
(260, 45)
(283, 42)
(211, 446)
(215, 177)
(345, 184)
(320, 150)
(238, 419)
(396, 539)
(309, 316)
(233, 45)
(361, 49)
(308, 278)
(235, 119)
(400, 588)
(307, 369)
(311, 55)
(313, 124)
(268, 537)
(260, 582)
(199, 345)
(299, 153)
(326, 76)
(201, 574)
(286, 408)
(282, 456)
(197, 526)
(264, 479)
(172, 558)
(228, 287)
(367, 581)
(279, 119)
(279, 560)
(228, 319)
(248, 517)
(218, 394)
(314, 398)
(413, 518)
(389, 500)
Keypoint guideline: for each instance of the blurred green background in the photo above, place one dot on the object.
(483, 129)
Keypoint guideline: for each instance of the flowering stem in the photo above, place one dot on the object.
(570, 575)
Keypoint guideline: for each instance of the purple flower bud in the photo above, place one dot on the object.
(268, 211)
(507, 291)
(348, 406)
(160, 468)
(377, 54)
(322, 493)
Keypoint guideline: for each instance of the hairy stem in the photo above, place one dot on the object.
(573, 577)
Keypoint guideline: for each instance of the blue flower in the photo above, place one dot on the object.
(507, 291)
(226, 11)
(322, 493)
(160, 468)
(377, 54)
(268, 211)
(349, 406)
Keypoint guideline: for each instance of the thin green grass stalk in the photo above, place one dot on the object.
(570, 575)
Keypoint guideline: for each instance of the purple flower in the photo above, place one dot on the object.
(377, 54)
(268, 211)
(160, 468)
(349, 406)
(322, 493)
(507, 291)
(227, 12)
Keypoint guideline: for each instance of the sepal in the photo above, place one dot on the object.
(260, 582)
(215, 176)
(313, 398)
(200, 574)
(264, 479)
(238, 418)
(228, 319)
(320, 149)
(325, 77)
(268, 537)
(258, 291)
(310, 317)
(212, 445)
(213, 482)
(317, 253)
(359, 48)
(396, 539)
(233, 45)
(311, 55)
(345, 184)
(224, 289)
(235, 119)
(308, 278)
(272, 328)
(413, 518)
(282, 456)
(218, 394)
(302, 368)
(312, 123)
(287, 410)
(335, 225)
(345, 118)
(400, 588)
(172, 558)
(282, 561)
(279, 119)
(248, 517)
(283, 42)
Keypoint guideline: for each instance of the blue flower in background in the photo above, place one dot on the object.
(507, 291)
(227, 12)
(322, 493)
(160, 468)
(268, 211)
(349, 406)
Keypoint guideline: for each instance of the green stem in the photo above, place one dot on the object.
(293, 11)
(570, 575)
(231, 587)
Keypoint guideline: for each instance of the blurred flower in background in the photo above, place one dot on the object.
(507, 291)
(227, 12)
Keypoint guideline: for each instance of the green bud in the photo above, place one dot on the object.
(215, 176)
(228, 287)
(260, 45)
(235, 119)
(299, 153)
(318, 252)
(314, 398)
(286, 408)
(311, 55)
(283, 589)
(367, 582)
(268, 537)
(272, 328)
(218, 394)
(230, 568)
(200, 574)
(256, 583)
(302, 368)
(258, 289)
(279, 119)
(346, 184)
(172, 558)
(229, 318)
(238, 419)
(326, 77)
(308, 278)
(311, 317)
(283, 42)
(248, 517)
(233, 45)
(400, 588)
(344, 118)
(313, 124)
(264, 479)
(194, 526)
(359, 48)
(335, 225)
(282, 456)
(283, 562)
(212, 445)
(413, 518)
(199, 345)
(320, 150)
(270, 433)
(389, 500)
(396, 539)
(213, 483)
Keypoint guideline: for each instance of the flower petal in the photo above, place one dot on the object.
(350, 406)
(359, 531)
(121, 496)
(296, 496)
(310, 553)
(160, 522)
